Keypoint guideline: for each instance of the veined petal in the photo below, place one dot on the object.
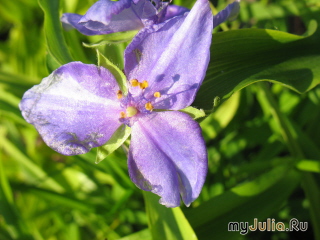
(70, 20)
(75, 108)
(168, 157)
(229, 13)
(173, 56)
(106, 16)
(103, 10)
(173, 11)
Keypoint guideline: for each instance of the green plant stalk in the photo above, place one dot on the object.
(290, 138)
(288, 134)
(166, 223)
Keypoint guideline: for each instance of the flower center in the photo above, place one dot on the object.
(136, 102)
(131, 111)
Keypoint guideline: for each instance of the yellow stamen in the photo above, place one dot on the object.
(122, 115)
(157, 94)
(148, 106)
(134, 82)
(119, 94)
(144, 84)
(131, 111)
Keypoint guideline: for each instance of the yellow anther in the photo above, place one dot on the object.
(131, 111)
(134, 82)
(122, 115)
(144, 84)
(157, 94)
(148, 106)
(119, 94)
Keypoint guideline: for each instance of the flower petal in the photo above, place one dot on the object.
(106, 16)
(173, 56)
(168, 157)
(173, 11)
(75, 108)
(229, 13)
(70, 20)
(103, 10)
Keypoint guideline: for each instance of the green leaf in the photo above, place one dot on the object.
(309, 165)
(63, 199)
(52, 63)
(34, 173)
(311, 188)
(221, 117)
(166, 223)
(113, 38)
(117, 73)
(117, 139)
(16, 84)
(242, 57)
(194, 112)
(141, 235)
(16, 227)
(55, 41)
(243, 203)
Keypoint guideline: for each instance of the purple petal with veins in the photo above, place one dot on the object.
(106, 16)
(75, 108)
(173, 11)
(173, 57)
(229, 13)
(168, 157)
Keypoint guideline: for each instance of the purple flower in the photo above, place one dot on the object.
(107, 16)
(80, 106)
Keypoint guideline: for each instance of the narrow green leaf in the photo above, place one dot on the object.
(77, 51)
(117, 73)
(166, 223)
(58, 198)
(17, 80)
(5, 187)
(309, 165)
(311, 188)
(194, 112)
(113, 38)
(16, 84)
(52, 63)
(245, 56)
(141, 235)
(111, 166)
(243, 203)
(72, 231)
(117, 139)
(55, 41)
(35, 174)
(15, 226)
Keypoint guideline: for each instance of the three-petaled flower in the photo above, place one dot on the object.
(80, 106)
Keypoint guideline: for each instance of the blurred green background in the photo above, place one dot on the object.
(263, 142)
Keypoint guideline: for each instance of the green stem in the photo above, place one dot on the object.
(290, 137)
(312, 192)
(288, 133)
(166, 223)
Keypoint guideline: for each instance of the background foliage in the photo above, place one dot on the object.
(263, 141)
